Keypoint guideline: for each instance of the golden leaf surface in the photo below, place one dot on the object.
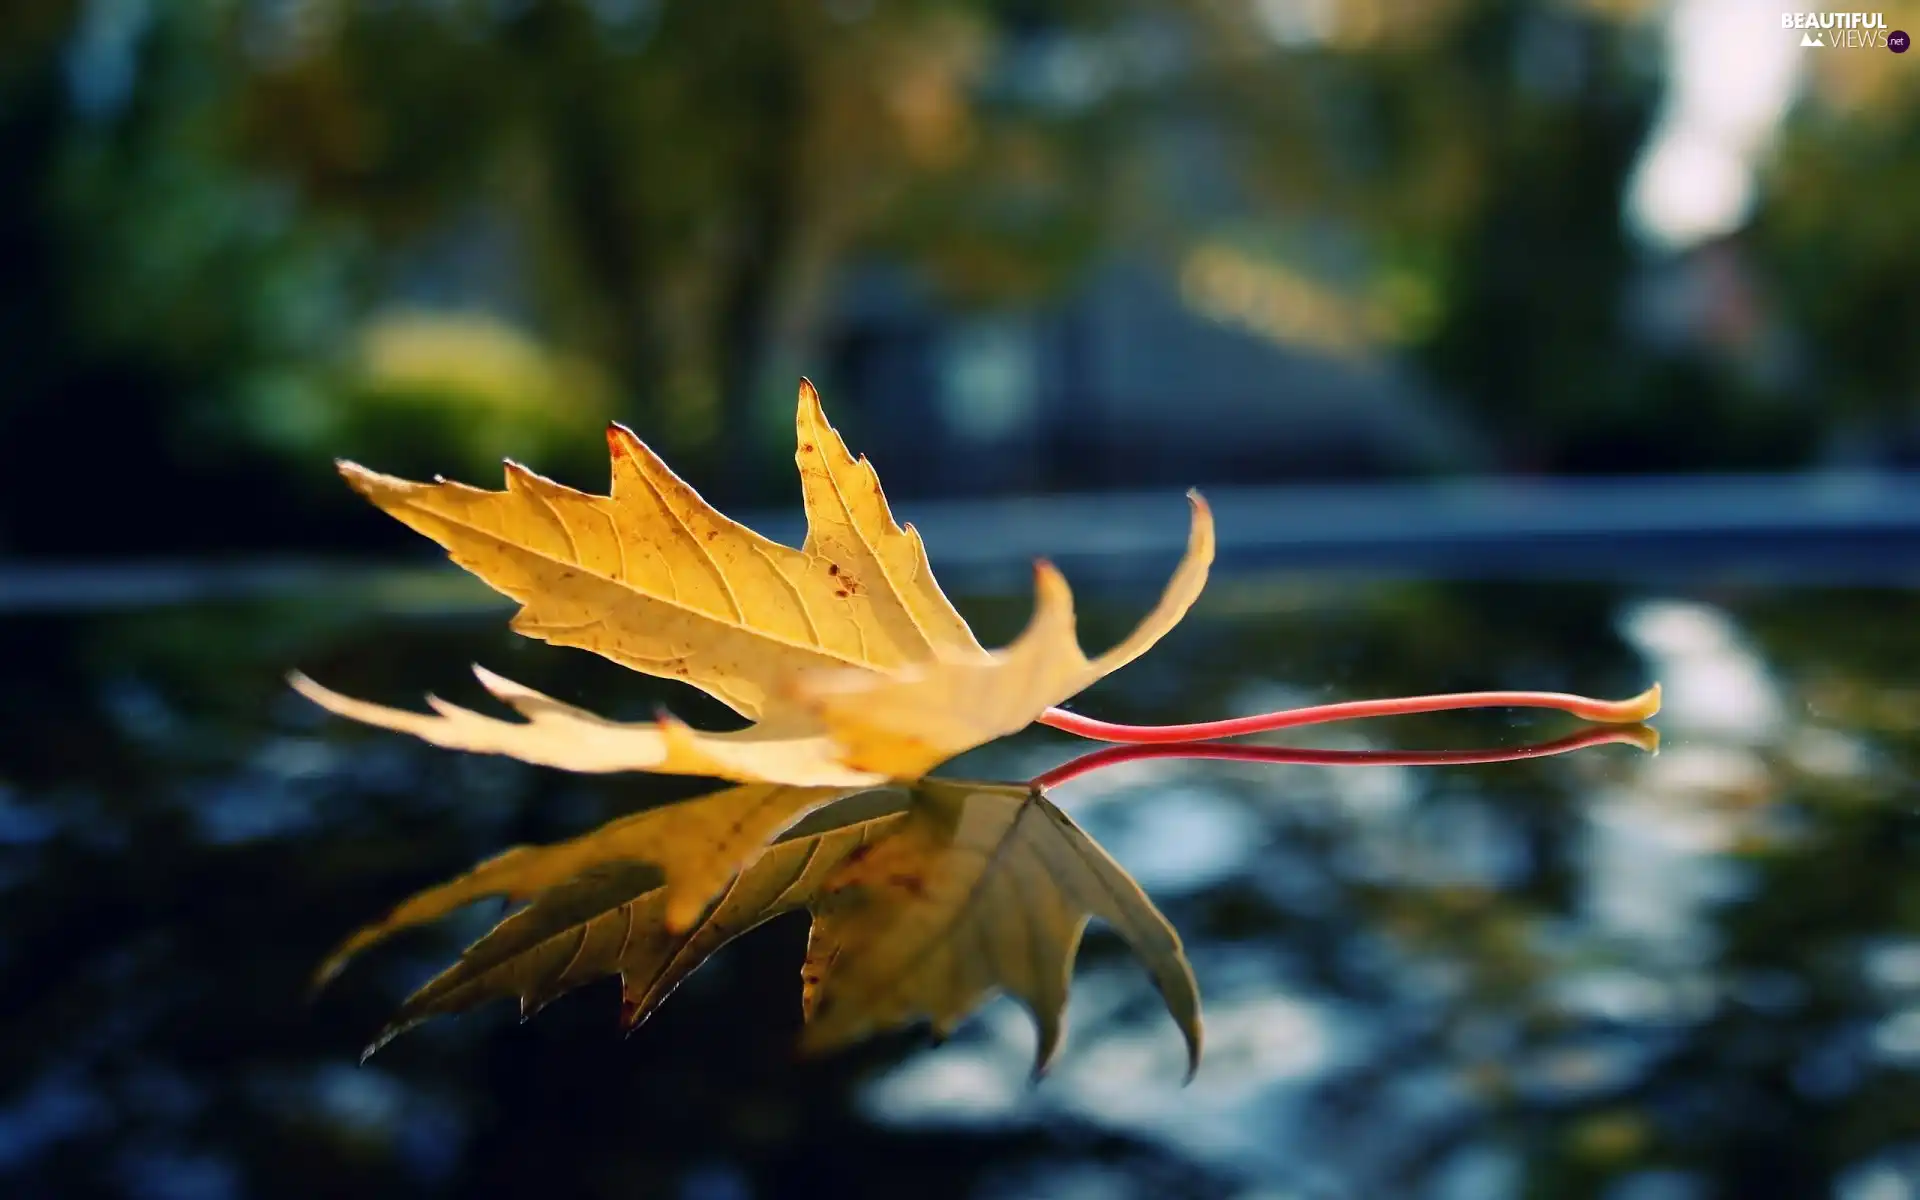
(925, 902)
(845, 652)
(654, 578)
(555, 734)
(905, 724)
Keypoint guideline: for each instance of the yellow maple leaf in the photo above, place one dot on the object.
(851, 663)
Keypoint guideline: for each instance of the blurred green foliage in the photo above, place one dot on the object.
(645, 209)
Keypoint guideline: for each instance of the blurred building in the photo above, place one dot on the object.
(1125, 384)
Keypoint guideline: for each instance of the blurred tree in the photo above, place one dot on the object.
(672, 186)
(661, 192)
(1846, 257)
(645, 209)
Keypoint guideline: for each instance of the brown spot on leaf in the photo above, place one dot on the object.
(841, 592)
(806, 447)
(912, 885)
(712, 534)
(833, 568)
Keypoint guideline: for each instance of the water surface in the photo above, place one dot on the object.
(1695, 974)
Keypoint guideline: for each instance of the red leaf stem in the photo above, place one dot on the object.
(1642, 736)
(1610, 712)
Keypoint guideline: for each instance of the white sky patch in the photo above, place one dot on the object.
(1732, 74)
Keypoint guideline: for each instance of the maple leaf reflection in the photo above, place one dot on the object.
(925, 899)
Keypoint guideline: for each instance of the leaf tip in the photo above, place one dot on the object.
(1047, 1049)
(1195, 1036)
(361, 479)
(683, 909)
(1194, 1032)
(809, 419)
(633, 1014)
(325, 974)
(380, 1041)
(621, 441)
(1053, 599)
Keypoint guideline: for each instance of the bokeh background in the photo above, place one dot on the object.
(1563, 344)
(1022, 246)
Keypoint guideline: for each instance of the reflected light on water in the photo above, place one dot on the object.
(1459, 982)
(1714, 683)
(1654, 870)
(1892, 1177)
(1264, 1048)
(1656, 843)
(1185, 839)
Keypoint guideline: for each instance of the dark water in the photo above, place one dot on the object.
(1644, 978)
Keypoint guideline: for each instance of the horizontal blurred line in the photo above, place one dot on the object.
(1846, 525)
(1365, 515)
